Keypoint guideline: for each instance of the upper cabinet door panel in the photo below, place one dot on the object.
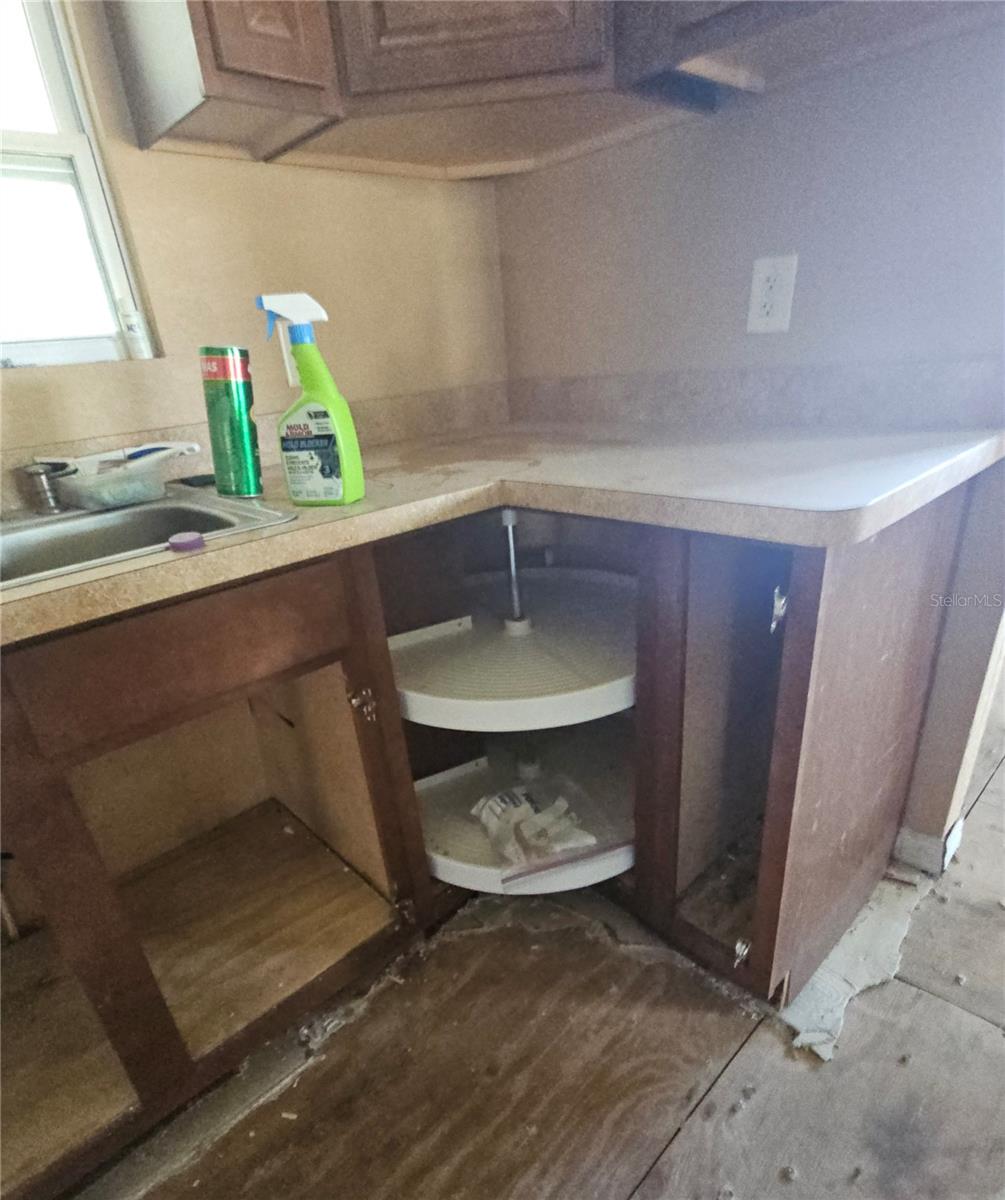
(404, 44)
(285, 40)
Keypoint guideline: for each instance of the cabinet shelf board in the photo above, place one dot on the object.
(597, 757)
(62, 1082)
(576, 664)
(240, 918)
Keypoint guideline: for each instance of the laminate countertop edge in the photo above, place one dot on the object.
(791, 526)
(585, 473)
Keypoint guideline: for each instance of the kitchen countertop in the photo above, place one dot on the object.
(791, 488)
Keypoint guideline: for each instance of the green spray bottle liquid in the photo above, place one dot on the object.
(317, 436)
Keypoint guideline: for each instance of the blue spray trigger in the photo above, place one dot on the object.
(260, 303)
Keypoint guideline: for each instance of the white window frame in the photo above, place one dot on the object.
(75, 143)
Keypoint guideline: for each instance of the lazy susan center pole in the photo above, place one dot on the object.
(517, 623)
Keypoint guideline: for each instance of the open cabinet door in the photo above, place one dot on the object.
(820, 733)
(862, 637)
(774, 767)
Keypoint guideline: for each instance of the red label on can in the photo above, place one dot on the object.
(222, 366)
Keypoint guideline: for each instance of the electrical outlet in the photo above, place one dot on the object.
(771, 291)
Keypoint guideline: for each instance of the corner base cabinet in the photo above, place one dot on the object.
(752, 758)
(779, 697)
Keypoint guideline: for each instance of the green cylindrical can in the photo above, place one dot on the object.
(226, 383)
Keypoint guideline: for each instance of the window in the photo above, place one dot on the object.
(66, 290)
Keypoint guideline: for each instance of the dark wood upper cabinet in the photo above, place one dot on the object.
(283, 40)
(251, 73)
(408, 44)
(271, 76)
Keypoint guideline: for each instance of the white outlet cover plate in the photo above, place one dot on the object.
(771, 290)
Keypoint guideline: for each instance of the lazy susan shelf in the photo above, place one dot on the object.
(573, 661)
(596, 758)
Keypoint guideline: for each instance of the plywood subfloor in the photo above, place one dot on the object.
(955, 947)
(62, 1081)
(529, 1059)
(238, 919)
(911, 1108)
(549, 1049)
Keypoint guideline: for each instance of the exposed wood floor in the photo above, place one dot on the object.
(964, 917)
(543, 1050)
(62, 1081)
(242, 916)
(521, 1062)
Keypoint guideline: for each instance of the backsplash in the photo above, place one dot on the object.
(853, 398)
(388, 419)
(856, 398)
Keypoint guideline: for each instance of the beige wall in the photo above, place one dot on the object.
(407, 269)
(886, 180)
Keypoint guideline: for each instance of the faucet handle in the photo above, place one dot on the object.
(37, 487)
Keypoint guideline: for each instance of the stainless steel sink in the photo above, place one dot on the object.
(33, 548)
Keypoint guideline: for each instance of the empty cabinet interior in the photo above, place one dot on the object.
(221, 874)
(734, 643)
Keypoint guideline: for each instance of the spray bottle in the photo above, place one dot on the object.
(317, 437)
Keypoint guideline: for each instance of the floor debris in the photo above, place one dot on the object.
(867, 955)
(859, 1128)
(494, 1070)
(590, 913)
(970, 926)
(291, 1060)
(591, 1000)
(267, 1074)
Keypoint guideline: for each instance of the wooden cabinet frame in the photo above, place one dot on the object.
(860, 638)
(67, 698)
(262, 77)
(861, 635)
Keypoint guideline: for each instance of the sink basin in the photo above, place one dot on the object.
(33, 548)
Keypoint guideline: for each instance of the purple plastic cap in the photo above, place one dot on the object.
(189, 540)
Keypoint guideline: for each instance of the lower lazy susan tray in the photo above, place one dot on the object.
(596, 757)
(574, 662)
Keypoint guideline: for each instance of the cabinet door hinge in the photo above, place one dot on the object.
(364, 702)
(779, 607)
(741, 951)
